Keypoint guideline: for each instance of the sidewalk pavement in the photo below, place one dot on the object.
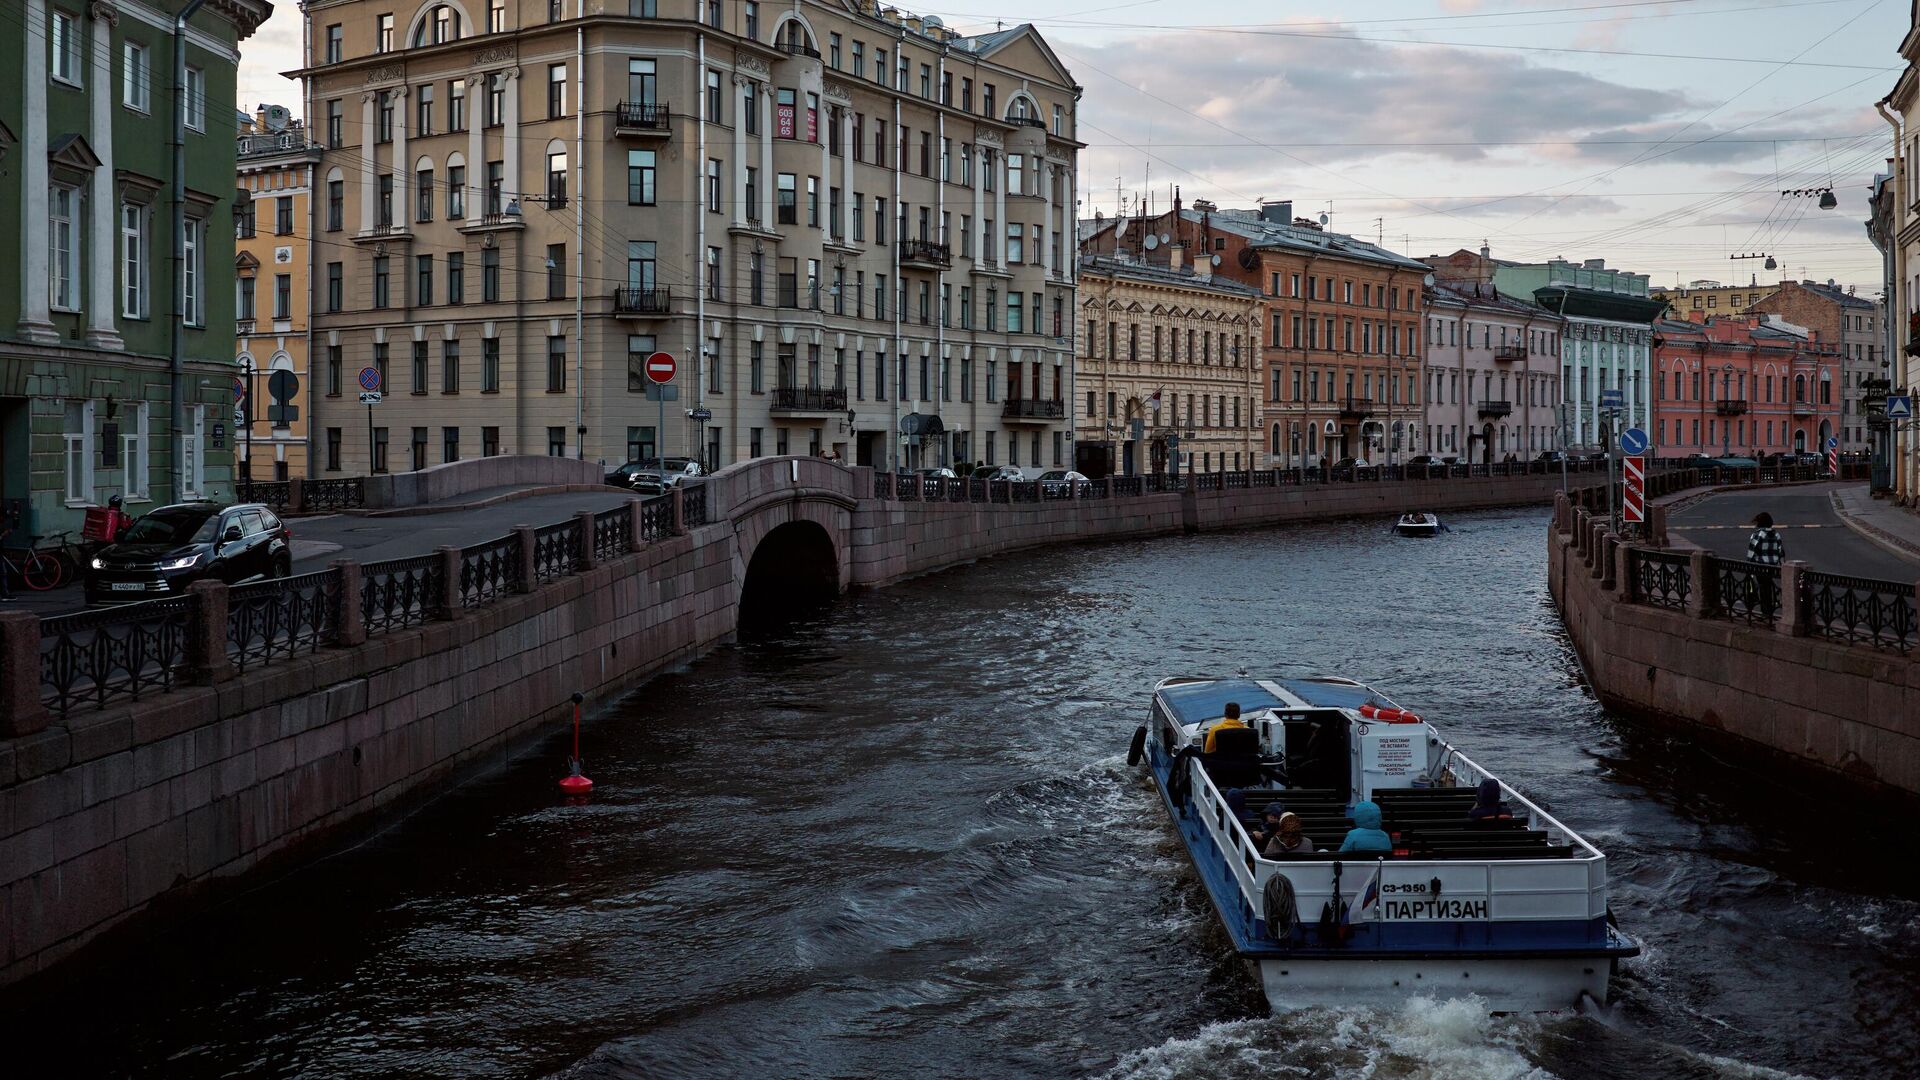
(1879, 520)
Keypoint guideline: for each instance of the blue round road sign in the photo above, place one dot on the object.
(1633, 442)
(369, 378)
(1832, 442)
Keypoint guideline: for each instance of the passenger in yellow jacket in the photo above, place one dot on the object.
(1232, 721)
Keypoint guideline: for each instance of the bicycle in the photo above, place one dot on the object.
(45, 567)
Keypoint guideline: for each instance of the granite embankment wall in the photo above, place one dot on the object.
(107, 811)
(1848, 710)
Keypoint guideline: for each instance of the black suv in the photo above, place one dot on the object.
(170, 548)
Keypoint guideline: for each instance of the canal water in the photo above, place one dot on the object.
(899, 839)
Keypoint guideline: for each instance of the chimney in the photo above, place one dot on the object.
(1203, 266)
(1205, 206)
(1595, 264)
(1486, 251)
(1278, 212)
(1176, 255)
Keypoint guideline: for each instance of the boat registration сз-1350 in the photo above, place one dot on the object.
(1456, 884)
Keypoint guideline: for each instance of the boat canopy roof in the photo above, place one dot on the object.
(1196, 702)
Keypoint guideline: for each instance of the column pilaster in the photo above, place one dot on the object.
(369, 148)
(475, 196)
(36, 309)
(103, 331)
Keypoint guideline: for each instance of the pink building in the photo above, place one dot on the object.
(1492, 374)
(1742, 385)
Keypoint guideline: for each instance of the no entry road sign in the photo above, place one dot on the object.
(369, 378)
(660, 367)
(1633, 488)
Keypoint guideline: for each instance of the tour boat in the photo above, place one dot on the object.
(1419, 524)
(1509, 909)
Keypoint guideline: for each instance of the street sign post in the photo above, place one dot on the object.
(1900, 407)
(369, 378)
(370, 384)
(1833, 456)
(1613, 399)
(1633, 442)
(370, 397)
(660, 369)
(1633, 485)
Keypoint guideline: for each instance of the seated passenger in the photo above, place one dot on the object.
(1489, 807)
(1269, 823)
(1366, 834)
(1232, 720)
(1288, 837)
(1237, 802)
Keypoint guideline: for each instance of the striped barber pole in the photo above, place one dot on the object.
(1833, 456)
(1633, 488)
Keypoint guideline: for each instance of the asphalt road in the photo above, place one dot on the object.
(319, 540)
(1808, 525)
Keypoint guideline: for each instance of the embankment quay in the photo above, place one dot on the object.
(161, 746)
(1818, 667)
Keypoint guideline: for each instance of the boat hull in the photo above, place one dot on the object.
(1421, 531)
(1504, 984)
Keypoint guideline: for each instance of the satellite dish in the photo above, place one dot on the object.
(1325, 217)
(932, 22)
(1428, 279)
(1216, 260)
(1150, 242)
(277, 117)
(1248, 260)
(1165, 238)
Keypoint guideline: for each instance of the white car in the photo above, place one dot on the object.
(1060, 482)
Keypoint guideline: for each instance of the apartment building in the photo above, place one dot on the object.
(1492, 374)
(1837, 316)
(272, 224)
(1166, 369)
(850, 226)
(1339, 342)
(93, 312)
(1709, 297)
(1743, 385)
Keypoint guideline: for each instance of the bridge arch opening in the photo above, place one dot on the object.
(794, 572)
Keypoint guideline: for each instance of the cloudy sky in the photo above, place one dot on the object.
(1654, 133)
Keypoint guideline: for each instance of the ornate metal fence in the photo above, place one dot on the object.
(1660, 578)
(491, 570)
(1745, 590)
(400, 593)
(656, 518)
(93, 657)
(282, 618)
(1861, 610)
(556, 551)
(346, 493)
(693, 504)
(274, 493)
(612, 533)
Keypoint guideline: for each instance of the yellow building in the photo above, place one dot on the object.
(275, 186)
(1711, 297)
(1170, 351)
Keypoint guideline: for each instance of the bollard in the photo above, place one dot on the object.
(206, 662)
(21, 712)
(352, 627)
(1700, 598)
(1792, 619)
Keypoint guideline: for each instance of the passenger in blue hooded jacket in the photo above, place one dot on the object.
(1366, 834)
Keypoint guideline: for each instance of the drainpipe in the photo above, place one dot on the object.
(580, 238)
(1903, 462)
(700, 209)
(899, 360)
(176, 365)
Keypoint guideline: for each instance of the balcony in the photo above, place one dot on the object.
(809, 399)
(1027, 121)
(1356, 408)
(1730, 407)
(1036, 410)
(398, 230)
(649, 118)
(1803, 408)
(493, 222)
(1495, 409)
(1510, 352)
(799, 48)
(925, 255)
(642, 303)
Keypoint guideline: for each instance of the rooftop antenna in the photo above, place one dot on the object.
(1380, 232)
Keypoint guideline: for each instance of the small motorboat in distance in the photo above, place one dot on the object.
(1419, 523)
(1455, 884)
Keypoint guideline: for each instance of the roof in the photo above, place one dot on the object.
(1185, 278)
(1497, 301)
(1831, 292)
(1262, 233)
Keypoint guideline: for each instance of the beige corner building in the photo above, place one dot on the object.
(272, 224)
(1897, 230)
(851, 227)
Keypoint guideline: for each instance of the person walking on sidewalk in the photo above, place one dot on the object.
(1764, 545)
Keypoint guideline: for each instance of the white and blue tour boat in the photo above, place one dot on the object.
(1507, 905)
(1419, 523)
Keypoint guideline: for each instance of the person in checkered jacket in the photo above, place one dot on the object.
(1764, 545)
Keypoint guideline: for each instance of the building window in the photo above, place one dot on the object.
(786, 199)
(556, 180)
(336, 370)
(379, 464)
(556, 271)
(450, 367)
(66, 47)
(489, 442)
(556, 364)
(336, 44)
(456, 277)
(419, 368)
(640, 177)
(136, 293)
(457, 105)
(423, 279)
(490, 365)
(336, 125)
(194, 241)
(63, 248)
(419, 446)
(381, 292)
(489, 275)
(135, 79)
(556, 91)
(282, 296)
(196, 99)
(333, 449)
(336, 205)
(283, 215)
(383, 41)
(752, 30)
(556, 442)
(496, 99)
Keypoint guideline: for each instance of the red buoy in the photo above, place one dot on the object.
(574, 783)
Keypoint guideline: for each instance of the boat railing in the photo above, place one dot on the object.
(1536, 817)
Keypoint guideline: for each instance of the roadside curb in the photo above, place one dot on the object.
(452, 508)
(1873, 533)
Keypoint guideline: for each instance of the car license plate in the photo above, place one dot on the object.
(128, 586)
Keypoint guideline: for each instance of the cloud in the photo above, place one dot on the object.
(273, 48)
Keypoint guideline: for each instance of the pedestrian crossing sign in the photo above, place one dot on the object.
(1900, 407)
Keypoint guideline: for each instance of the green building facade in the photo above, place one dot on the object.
(88, 294)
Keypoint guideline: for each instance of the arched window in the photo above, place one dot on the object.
(1826, 388)
(1799, 388)
(441, 25)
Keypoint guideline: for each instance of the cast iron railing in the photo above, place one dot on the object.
(1661, 578)
(92, 657)
(612, 533)
(656, 518)
(274, 494)
(282, 618)
(556, 551)
(489, 571)
(399, 593)
(1861, 610)
(1746, 590)
(344, 493)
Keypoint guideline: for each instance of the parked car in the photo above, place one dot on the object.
(683, 466)
(939, 473)
(1554, 456)
(172, 547)
(997, 472)
(1060, 482)
(1425, 461)
(654, 482)
(623, 475)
